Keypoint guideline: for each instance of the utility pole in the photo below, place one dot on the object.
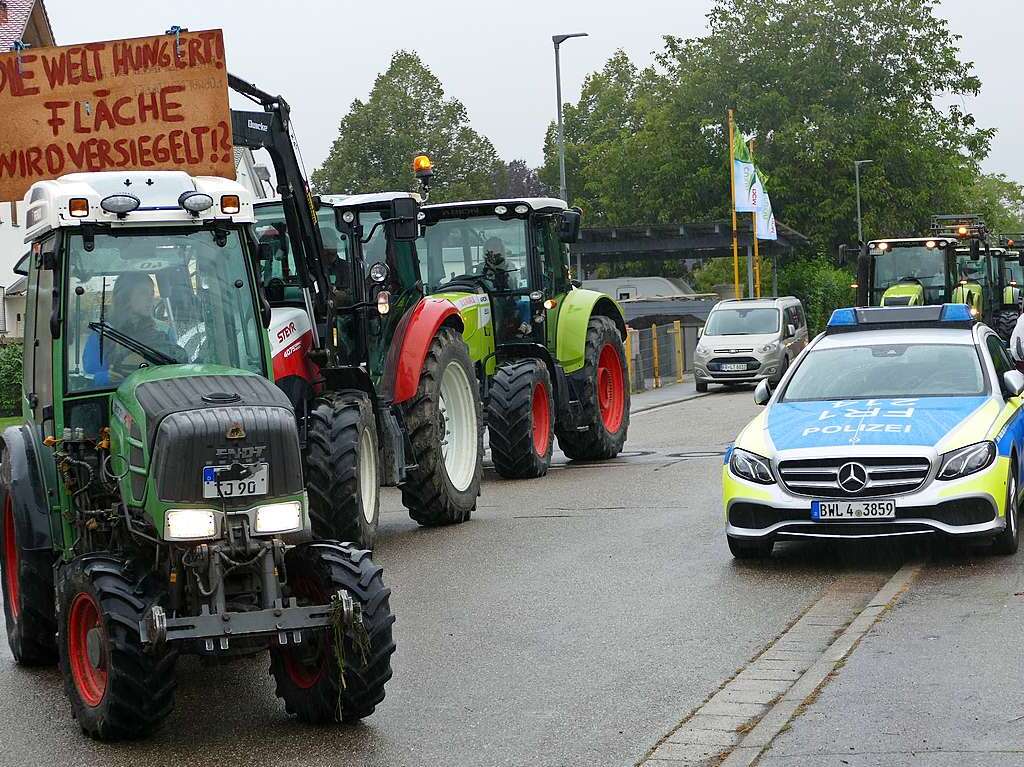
(856, 174)
(562, 193)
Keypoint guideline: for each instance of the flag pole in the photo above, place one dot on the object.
(753, 221)
(732, 206)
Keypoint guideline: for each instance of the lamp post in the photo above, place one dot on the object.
(562, 193)
(856, 174)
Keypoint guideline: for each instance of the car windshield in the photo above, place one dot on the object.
(157, 298)
(887, 370)
(475, 248)
(742, 322)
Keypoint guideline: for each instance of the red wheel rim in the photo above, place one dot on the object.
(12, 561)
(90, 674)
(541, 420)
(611, 396)
(305, 668)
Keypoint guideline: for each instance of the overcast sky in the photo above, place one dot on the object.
(495, 57)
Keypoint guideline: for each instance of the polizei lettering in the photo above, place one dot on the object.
(849, 428)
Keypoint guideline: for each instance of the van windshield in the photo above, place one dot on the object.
(742, 322)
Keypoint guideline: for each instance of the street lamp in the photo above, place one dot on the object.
(856, 174)
(558, 40)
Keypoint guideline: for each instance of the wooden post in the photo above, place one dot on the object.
(679, 350)
(732, 207)
(657, 363)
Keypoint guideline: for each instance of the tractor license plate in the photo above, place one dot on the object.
(232, 486)
(734, 367)
(882, 508)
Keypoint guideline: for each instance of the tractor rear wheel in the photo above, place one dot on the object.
(1004, 321)
(316, 685)
(443, 419)
(342, 470)
(601, 431)
(519, 418)
(118, 689)
(28, 589)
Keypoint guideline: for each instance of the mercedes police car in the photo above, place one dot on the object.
(894, 421)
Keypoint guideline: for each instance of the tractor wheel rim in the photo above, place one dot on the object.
(458, 425)
(611, 398)
(541, 420)
(306, 663)
(367, 475)
(88, 673)
(12, 561)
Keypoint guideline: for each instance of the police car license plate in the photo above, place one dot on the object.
(879, 508)
(732, 367)
(254, 484)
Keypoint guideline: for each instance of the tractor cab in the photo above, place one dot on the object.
(907, 271)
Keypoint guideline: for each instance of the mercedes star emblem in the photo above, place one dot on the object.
(852, 477)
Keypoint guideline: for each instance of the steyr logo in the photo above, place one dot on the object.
(852, 477)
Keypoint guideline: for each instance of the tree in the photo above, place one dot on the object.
(407, 113)
(523, 181)
(818, 83)
(1000, 201)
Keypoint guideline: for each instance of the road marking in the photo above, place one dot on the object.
(736, 724)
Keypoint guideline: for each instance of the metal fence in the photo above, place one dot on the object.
(659, 355)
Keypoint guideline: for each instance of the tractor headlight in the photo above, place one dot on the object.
(190, 525)
(751, 466)
(967, 460)
(279, 518)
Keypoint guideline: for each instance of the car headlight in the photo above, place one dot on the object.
(751, 466)
(769, 347)
(967, 460)
(278, 518)
(190, 525)
(702, 349)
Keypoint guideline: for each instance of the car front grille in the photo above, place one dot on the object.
(819, 477)
(715, 365)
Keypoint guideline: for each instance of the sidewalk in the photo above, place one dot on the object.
(938, 682)
(668, 394)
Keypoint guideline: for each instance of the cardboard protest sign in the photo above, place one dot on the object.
(149, 102)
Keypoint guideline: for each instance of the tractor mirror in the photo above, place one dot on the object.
(975, 250)
(763, 392)
(22, 266)
(404, 211)
(569, 225)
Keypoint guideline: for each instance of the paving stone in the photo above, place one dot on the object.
(703, 721)
(688, 752)
(743, 695)
(773, 674)
(723, 708)
(693, 736)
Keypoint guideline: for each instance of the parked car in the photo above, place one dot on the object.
(747, 340)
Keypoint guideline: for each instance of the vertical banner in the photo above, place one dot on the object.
(745, 184)
(151, 102)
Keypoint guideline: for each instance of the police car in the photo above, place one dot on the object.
(893, 422)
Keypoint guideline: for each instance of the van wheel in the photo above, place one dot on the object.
(701, 386)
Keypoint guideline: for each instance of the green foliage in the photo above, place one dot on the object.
(1000, 201)
(819, 83)
(10, 379)
(720, 271)
(405, 114)
(821, 287)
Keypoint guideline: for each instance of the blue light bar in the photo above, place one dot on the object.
(956, 313)
(843, 318)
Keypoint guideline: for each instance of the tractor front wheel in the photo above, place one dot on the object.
(520, 412)
(118, 689)
(601, 431)
(1004, 321)
(443, 419)
(342, 470)
(317, 682)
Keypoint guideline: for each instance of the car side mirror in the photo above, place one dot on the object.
(569, 225)
(763, 392)
(790, 330)
(1013, 383)
(404, 212)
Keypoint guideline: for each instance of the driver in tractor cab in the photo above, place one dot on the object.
(132, 302)
(516, 313)
(335, 266)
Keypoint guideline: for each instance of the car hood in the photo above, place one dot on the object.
(905, 421)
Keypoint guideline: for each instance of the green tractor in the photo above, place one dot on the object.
(152, 497)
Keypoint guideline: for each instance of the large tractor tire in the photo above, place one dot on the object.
(309, 675)
(28, 589)
(444, 423)
(1004, 321)
(601, 431)
(118, 689)
(342, 469)
(520, 407)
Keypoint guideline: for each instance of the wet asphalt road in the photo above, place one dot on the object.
(573, 621)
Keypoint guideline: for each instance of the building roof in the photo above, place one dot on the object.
(26, 20)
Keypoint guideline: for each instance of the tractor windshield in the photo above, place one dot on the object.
(911, 264)
(486, 249)
(1013, 272)
(157, 297)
